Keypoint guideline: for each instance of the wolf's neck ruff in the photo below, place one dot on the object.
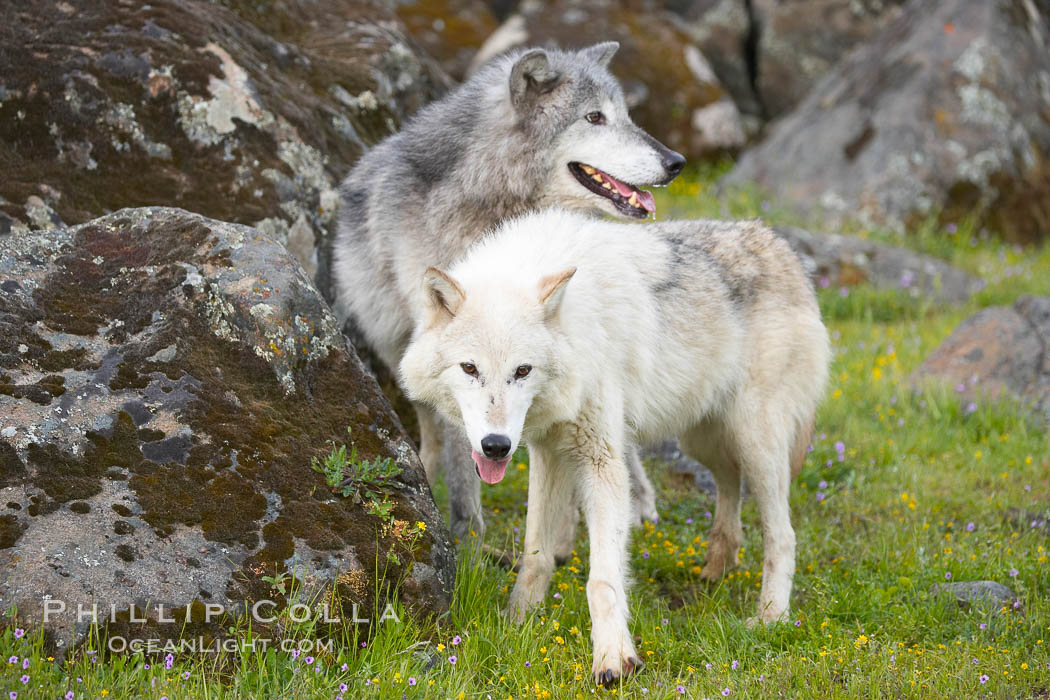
(629, 199)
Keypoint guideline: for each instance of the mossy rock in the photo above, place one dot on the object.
(450, 30)
(167, 381)
(250, 112)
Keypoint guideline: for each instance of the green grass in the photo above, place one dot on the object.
(901, 491)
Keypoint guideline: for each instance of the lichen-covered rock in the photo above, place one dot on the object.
(243, 111)
(667, 79)
(450, 30)
(1000, 349)
(798, 42)
(848, 260)
(165, 381)
(946, 110)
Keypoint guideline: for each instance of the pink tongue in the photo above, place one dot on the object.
(491, 471)
(644, 198)
(647, 201)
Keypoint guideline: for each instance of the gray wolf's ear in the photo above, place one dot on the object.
(444, 296)
(601, 53)
(552, 291)
(531, 77)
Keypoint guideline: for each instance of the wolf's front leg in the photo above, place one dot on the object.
(550, 512)
(605, 496)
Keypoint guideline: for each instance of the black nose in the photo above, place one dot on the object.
(495, 446)
(673, 163)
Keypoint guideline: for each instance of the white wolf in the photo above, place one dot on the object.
(583, 336)
(532, 129)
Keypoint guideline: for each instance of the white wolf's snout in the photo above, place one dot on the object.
(492, 445)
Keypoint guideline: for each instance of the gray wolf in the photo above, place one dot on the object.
(536, 128)
(581, 337)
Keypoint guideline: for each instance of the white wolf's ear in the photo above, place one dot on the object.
(444, 296)
(601, 53)
(532, 76)
(552, 290)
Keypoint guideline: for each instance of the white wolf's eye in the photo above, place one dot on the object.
(595, 118)
(522, 371)
(469, 368)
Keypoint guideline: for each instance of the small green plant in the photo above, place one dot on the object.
(366, 481)
(279, 581)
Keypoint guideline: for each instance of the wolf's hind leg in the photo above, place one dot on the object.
(551, 508)
(464, 488)
(643, 495)
(764, 438)
(431, 441)
(706, 444)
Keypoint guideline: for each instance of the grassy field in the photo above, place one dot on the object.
(902, 491)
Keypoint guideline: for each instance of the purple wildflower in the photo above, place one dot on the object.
(456, 640)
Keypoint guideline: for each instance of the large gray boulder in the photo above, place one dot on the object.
(799, 42)
(946, 110)
(1001, 350)
(243, 111)
(165, 381)
(770, 53)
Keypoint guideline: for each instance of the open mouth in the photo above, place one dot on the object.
(626, 198)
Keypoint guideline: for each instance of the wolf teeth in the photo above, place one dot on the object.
(597, 178)
(607, 186)
(588, 169)
(633, 201)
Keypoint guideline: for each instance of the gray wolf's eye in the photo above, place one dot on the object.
(522, 371)
(469, 368)
(595, 118)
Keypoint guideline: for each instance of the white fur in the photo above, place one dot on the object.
(704, 330)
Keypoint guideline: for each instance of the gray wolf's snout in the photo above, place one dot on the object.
(673, 163)
(495, 446)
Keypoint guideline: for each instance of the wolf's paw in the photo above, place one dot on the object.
(766, 618)
(719, 561)
(523, 600)
(643, 507)
(715, 568)
(611, 665)
(514, 614)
